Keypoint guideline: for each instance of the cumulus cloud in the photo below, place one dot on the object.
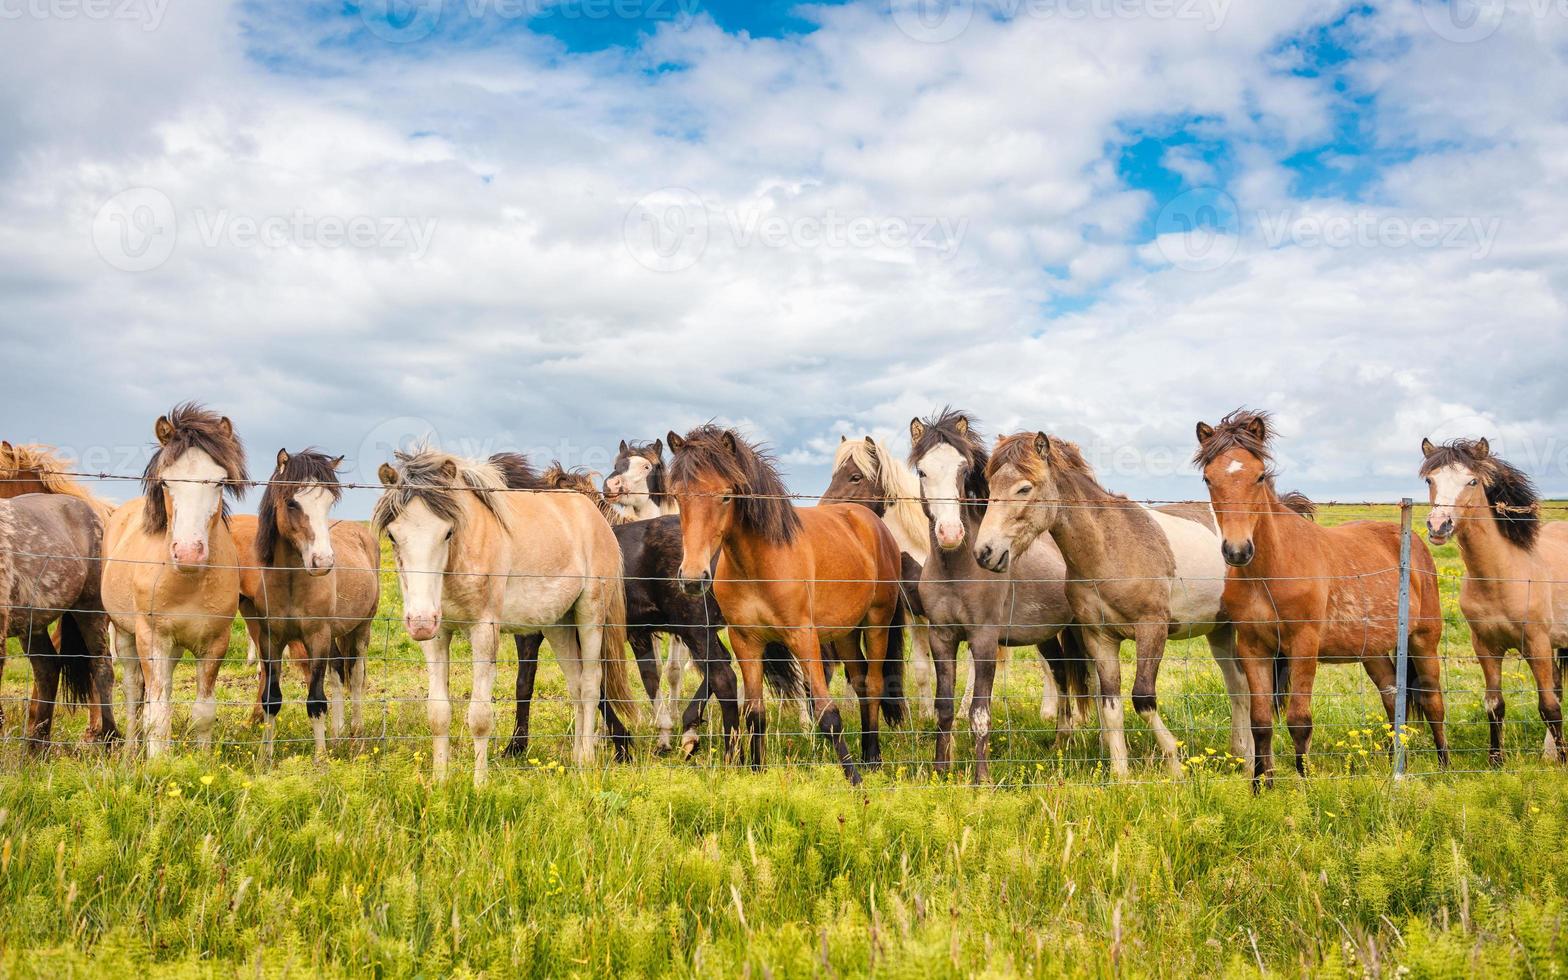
(484, 234)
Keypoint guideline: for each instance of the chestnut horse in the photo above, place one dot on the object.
(802, 577)
(1309, 593)
(171, 582)
(1515, 590)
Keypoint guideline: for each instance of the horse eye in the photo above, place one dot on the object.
(293, 505)
(1474, 482)
(856, 478)
(921, 474)
(1024, 489)
(1262, 477)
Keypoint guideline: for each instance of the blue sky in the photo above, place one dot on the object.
(601, 219)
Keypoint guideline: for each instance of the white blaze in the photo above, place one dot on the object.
(420, 543)
(939, 471)
(315, 503)
(195, 496)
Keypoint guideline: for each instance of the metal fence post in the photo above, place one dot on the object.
(1402, 665)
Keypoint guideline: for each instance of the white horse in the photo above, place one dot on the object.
(475, 557)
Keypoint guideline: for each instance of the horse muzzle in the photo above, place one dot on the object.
(1440, 534)
(993, 559)
(949, 538)
(321, 564)
(695, 585)
(187, 556)
(423, 627)
(1238, 555)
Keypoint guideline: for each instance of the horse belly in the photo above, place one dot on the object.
(1198, 585)
(539, 601)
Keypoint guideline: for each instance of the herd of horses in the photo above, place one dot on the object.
(1015, 544)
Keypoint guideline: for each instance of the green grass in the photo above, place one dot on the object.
(209, 865)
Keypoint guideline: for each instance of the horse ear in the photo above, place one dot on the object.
(675, 441)
(283, 459)
(842, 439)
(449, 470)
(1483, 448)
(1427, 448)
(337, 463)
(1205, 432)
(1042, 444)
(1258, 428)
(387, 474)
(658, 447)
(962, 425)
(730, 442)
(871, 447)
(917, 429)
(624, 447)
(163, 429)
(226, 426)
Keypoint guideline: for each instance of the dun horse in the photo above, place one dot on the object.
(1515, 590)
(476, 557)
(1025, 607)
(1308, 594)
(800, 577)
(171, 582)
(320, 585)
(50, 569)
(1133, 573)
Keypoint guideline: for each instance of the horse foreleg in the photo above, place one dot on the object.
(1104, 652)
(1491, 660)
(806, 646)
(131, 682)
(748, 653)
(944, 651)
(982, 656)
(1151, 651)
(718, 679)
(922, 667)
(204, 711)
(848, 651)
(1257, 662)
(47, 667)
(1222, 646)
(318, 652)
(1050, 697)
(527, 671)
(1539, 654)
(483, 638)
(96, 631)
(1302, 649)
(159, 654)
(438, 702)
(675, 660)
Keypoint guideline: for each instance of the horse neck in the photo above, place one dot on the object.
(1086, 511)
(1486, 552)
(1275, 538)
(749, 552)
(901, 496)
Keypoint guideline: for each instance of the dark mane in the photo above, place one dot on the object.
(192, 426)
(762, 503)
(958, 429)
(438, 479)
(653, 452)
(517, 471)
(305, 466)
(1514, 499)
(558, 477)
(1238, 430)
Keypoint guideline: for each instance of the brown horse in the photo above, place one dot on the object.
(36, 468)
(171, 582)
(320, 585)
(1515, 591)
(1309, 593)
(802, 577)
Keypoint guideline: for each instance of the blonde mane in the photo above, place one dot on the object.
(45, 464)
(897, 482)
(441, 480)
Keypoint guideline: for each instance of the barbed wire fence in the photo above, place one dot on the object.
(1352, 733)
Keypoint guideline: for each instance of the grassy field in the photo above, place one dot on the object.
(209, 865)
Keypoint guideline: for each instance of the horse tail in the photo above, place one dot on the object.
(1068, 660)
(894, 708)
(1281, 682)
(781, 672)
(76, 662)
(612, 649)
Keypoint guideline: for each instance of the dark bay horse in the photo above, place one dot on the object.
(1025, 606)
(51, 569)
(798, 576)
(1311, 594)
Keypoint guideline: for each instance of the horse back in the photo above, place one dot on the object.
(357, 571)
(51, 545)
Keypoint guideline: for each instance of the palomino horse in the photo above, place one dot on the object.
(802, 577)
(477, 557)
(1133, 573)
(1025, 607)
(50, 569)
(1515, 590)
(1308, 593)
(638, 489)
(172, 582)
(320, 585)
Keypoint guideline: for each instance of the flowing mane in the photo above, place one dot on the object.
(517, 472)
(958, 429)
(1512, 495)
(762, 503)
(44, 464)
(304, 467)
(192, 426)
(438, 479)
(898, 484)
(585, 482)
(1251, 431)
(1064, 457)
